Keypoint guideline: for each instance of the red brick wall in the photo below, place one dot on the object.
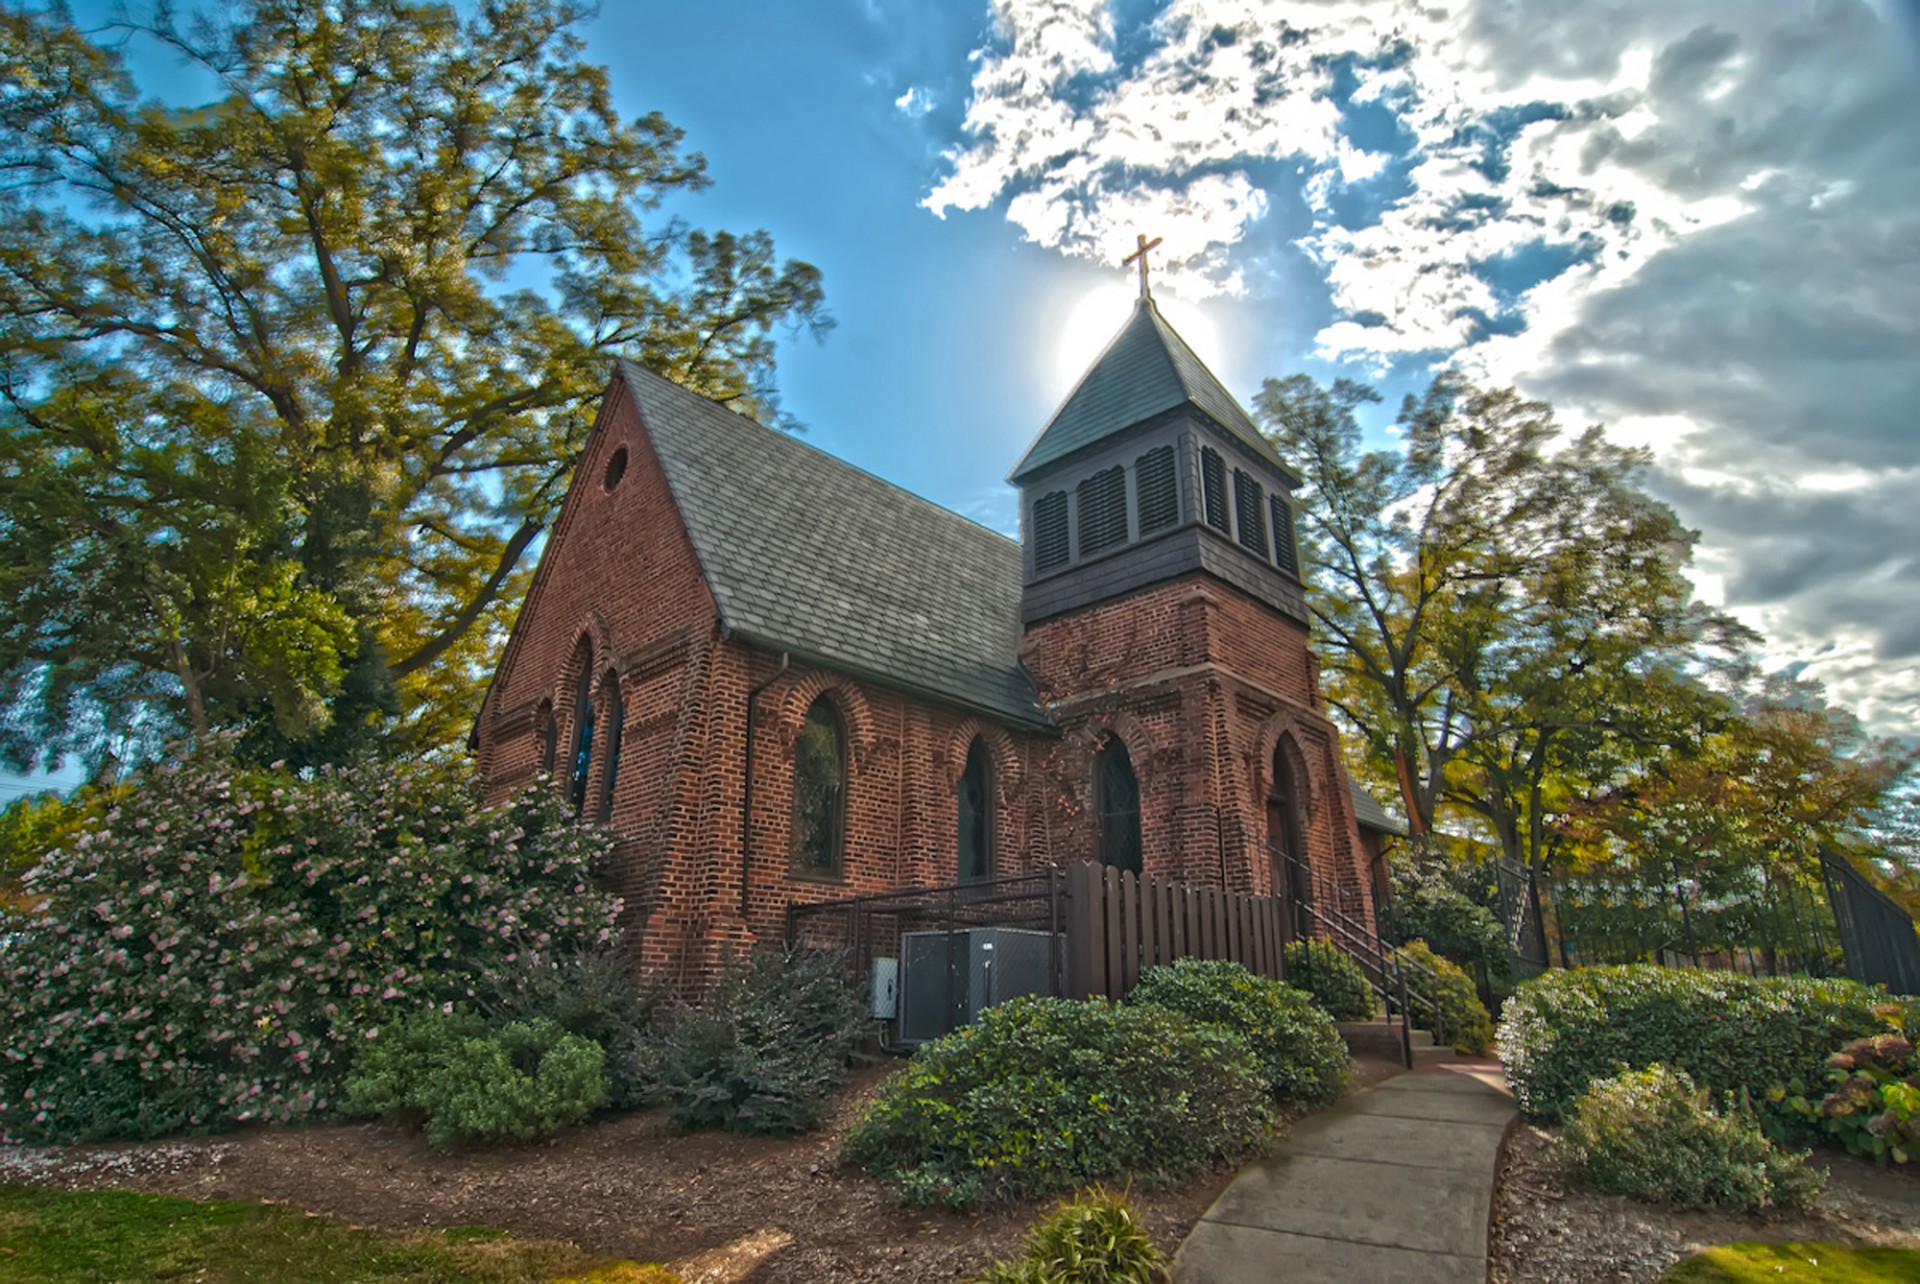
(1201, 681)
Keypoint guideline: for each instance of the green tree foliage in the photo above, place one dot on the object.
(294, 376)
(1718, 847)
(1502, 614)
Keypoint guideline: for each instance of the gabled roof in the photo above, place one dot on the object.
(807, 554)
(1368, 812)
(1146, 370)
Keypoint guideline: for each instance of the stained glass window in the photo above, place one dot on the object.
(976, 814)
(819, 792)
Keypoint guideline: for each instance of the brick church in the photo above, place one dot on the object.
(777, 678)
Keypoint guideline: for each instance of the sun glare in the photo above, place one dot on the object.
(1100, 313)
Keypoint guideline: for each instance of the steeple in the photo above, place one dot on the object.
(1147, 472)
(1145, 370)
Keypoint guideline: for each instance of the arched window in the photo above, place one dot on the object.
(819, 792)
(976, 814)
(1116, 795)
(582, 757)
(1285, 846)
(616, 723)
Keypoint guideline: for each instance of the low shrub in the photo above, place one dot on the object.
(211, 947)
(1041, 1095)
(1436, 904)
(1651, 1134)
(1301, 1056)
(591, 990)
(467, 1081)
(767, 1049)
(1761, 1037)
(1094, 1238)
(1334, 980)
(1873, 1105)
(1444, 985)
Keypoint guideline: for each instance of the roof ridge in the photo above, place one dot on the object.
(628, 364)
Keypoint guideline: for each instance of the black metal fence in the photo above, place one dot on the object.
(944, 953)
(1875, 932)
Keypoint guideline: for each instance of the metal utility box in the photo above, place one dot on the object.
(949, 978)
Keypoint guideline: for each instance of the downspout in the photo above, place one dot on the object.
(746, 792)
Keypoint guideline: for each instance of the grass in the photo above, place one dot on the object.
(1817, 1263)
(88, 1237)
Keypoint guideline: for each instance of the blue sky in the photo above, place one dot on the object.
(1695, 221)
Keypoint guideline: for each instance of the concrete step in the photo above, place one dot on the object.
(1382, 1038)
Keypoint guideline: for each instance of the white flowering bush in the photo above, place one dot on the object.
(215, 947)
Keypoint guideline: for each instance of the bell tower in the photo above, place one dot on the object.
(1166, 628)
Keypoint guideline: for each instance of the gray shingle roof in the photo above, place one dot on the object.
(806, 553)
(1371, 815)
(1146, 369)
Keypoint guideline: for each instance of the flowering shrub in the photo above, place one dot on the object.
(467, 1081)
(1301, 1056)
(214, 948)
(1873, 1108)
(1650, 1134)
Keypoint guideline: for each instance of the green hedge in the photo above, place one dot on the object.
(1041, 1095)
(1730, 1033)
(1301, 1055)
(1441, 983)
(1334, 980)
(468, 1081)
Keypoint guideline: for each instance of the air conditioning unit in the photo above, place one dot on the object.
(949, 978)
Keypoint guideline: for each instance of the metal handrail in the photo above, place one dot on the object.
(1358, 940)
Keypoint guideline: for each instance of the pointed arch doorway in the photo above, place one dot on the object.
(1285, 840)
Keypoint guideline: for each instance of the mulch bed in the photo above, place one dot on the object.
(1547, 1231)
(631, 1186)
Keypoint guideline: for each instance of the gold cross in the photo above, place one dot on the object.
(1141, 254)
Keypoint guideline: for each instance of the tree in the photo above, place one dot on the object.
(293, 379)
(1721, 840)
(1493, 612)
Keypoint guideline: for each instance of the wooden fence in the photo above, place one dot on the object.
(1119, 924)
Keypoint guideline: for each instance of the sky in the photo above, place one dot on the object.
(1696, 222)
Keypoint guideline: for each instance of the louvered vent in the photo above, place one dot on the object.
(1284, 554)
(1050, 532)
(1103, 510)
(1246, 508)
(1213, 482)
(1155, 490)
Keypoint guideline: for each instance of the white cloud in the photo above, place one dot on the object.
(1699, 220)
(915, 102)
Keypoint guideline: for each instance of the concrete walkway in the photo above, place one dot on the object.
(1394, 1184)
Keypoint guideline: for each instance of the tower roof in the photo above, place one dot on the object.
(1146, 369)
